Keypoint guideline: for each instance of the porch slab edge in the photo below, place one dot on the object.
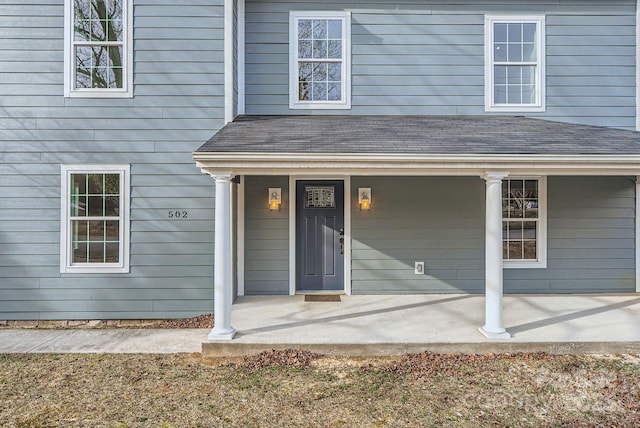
(230, 349)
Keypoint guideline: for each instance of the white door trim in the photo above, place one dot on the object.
(292, 228)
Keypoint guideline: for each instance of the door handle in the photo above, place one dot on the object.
(341, 233)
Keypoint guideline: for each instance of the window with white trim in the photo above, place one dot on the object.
(319, 52)
(515, 63)
(524, 222)
(95, 219)
(98, 48)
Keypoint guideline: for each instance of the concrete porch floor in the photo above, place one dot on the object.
(391, 325)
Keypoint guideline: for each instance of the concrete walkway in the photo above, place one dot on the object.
(88, 341)
(373, 325)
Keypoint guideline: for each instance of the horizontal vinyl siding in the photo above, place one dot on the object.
(436, 220)
(266, 237)
(591, 239)
(177, 105)
(428, 58)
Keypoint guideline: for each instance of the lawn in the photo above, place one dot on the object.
(294, 388)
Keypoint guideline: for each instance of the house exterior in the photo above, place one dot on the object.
(349, 147)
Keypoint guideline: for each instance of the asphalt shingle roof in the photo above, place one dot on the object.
(418, 134)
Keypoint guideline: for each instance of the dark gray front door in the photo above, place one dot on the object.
(319, 235)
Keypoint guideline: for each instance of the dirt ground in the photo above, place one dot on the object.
(296, 388)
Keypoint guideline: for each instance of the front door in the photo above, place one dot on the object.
(319, 235)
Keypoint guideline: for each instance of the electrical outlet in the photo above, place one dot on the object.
(419, 268)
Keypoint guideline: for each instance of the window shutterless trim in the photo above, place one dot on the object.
(65, 224)
(540, 92)
(541, 229)
(345, 102)
(127, 62)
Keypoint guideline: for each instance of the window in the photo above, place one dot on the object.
(320, 71)
(95, 218)
(514, 63)
(524, 222)
(98, 48)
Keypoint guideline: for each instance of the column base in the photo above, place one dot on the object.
(491, 335)
(221, 335)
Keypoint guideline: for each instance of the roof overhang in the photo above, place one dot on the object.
(413, 164)
(296, 146)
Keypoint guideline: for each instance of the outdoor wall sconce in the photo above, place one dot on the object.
(275, 198)
(364, 198)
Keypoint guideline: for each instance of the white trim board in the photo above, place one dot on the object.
(292, 228)
(638, 65)
(228, 61)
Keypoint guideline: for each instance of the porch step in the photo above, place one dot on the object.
(235, 349)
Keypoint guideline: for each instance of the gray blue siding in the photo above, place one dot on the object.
(266, 237)
(591, 239)
(436, 220)
(177, 105)
(440, 220)
(427, 57)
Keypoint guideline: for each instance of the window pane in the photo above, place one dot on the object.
(335, 29)
(529, 32)
(514, 96)
(514, 231)
(514, 53)
(500, 33)
(529, 52)
(304, 91)
(334, 49)
(500, 52)
(319, 28)
(529, 230)
(112, 252)
(319, 49)
(530, 250)
(304, 49)
(514, 32)
(515, 250)
(335, 91)
(304, 29)
(500, 74)
(319, 91)
(335, 72)
(320, 72)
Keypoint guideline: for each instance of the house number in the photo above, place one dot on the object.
(178, 214)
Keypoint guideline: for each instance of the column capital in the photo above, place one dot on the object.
(492, 176)
(219, 175)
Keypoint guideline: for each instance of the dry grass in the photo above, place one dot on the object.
(294, 388)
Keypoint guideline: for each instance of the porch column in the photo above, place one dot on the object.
(222, 329)
(493, 327)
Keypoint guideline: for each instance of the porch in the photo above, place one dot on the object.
(391, 325)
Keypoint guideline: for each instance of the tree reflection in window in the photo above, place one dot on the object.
(320, 59)
(520, 205)
(98, 43)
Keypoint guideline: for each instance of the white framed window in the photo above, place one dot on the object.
(320, 60)
(94, 234)
(524, 222)
(98, 48)
(514, 63)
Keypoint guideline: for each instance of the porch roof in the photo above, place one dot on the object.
(416, 145)
(421, 135)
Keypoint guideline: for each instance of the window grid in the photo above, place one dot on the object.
(94, 235)
(520, 214)
(319, 54)
(98, 49)
(101, 241)
(514, 65)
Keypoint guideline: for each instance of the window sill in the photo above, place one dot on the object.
(533, 264)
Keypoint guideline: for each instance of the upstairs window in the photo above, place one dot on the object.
(320, 72)
(98, 48)
(524, 225)
(95, 219)
(514, 63)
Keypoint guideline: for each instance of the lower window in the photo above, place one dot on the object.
(524, 222)
(95, 218)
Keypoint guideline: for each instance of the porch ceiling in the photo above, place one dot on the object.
(416, 144)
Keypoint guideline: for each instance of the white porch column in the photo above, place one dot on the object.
(493, 327)
(222, 329)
